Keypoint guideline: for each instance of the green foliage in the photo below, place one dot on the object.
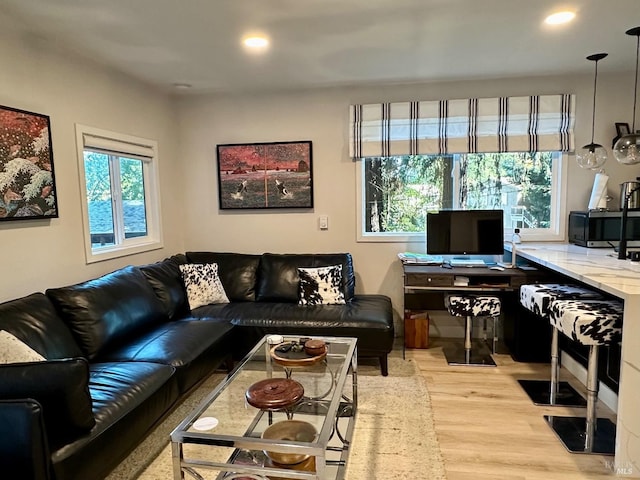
(98, 177)
(400, 190)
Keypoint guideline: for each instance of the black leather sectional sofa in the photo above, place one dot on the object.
(124, 349)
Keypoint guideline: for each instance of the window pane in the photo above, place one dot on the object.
(518, 183)
(398, 191)
(98, 185)
(133, 199)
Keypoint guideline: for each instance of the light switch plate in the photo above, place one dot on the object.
(323, 222)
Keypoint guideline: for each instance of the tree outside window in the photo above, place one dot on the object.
(398, 191)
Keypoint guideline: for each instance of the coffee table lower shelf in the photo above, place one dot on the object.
(244, 464)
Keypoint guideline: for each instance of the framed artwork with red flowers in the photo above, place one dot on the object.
(27, 181)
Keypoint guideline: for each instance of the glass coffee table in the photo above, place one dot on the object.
(223, 437)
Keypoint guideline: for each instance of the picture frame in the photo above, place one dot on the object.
(27, 179)
(270, 175)
(622, 129)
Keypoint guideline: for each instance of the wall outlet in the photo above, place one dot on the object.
(323, 222)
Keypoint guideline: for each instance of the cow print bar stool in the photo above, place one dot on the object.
(592, 323)
(537, 298)
(470, 306)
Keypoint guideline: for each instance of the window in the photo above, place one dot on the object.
(396, 192)
(120, 193)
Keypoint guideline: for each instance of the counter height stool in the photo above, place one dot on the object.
(470, 306)
(537, 298)
(592, 323)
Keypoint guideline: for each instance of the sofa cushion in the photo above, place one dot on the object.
(193, 346)
(203, 284)
(237, 272)
(104, 311)
(34, 320)
(321, 286)
(13, 350)
(60, 386)
(166, 280)
(369, 318)
(278, 279)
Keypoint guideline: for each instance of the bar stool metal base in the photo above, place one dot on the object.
(571, 432)
(539, 392)
(475, 357)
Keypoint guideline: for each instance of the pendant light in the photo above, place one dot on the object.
(593, 155)
(627, 148)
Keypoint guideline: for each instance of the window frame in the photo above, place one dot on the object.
(127, 146)
(557, 231)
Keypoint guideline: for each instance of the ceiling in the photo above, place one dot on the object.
(321, 43)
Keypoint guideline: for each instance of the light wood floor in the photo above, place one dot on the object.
(488, 428)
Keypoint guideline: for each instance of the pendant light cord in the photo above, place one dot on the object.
(593, 117)
(635, 88)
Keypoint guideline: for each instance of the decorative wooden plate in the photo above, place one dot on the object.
(274, 393)
(296, 359)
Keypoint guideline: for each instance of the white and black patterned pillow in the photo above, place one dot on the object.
(203, 284)
(321, 286)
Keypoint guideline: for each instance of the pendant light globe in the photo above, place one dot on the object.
(593, 155)
(627, 149)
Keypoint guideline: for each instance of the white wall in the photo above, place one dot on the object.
(322, 116)
(37, 254)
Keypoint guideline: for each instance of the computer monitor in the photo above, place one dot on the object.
(465, 232)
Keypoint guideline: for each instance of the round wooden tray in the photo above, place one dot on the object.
(296, 359)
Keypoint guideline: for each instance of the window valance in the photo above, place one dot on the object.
(474, 125)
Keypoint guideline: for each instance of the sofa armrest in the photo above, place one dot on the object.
(24, 451)
(61, 388)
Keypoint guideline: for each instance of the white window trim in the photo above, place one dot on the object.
(557, 232)
(136, 147)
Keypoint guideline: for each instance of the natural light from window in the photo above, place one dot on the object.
(396, 192)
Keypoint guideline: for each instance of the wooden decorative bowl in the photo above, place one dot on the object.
(274, 393)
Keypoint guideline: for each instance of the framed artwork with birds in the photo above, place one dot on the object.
(265, 175)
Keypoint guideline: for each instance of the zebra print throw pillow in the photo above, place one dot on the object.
(203, 284)
(321, 286)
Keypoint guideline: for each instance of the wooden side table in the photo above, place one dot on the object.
(416, 329)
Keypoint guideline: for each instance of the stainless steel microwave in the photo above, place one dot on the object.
(597, 228)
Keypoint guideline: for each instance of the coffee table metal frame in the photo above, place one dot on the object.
(333, 413)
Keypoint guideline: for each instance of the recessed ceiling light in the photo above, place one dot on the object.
(559, 18)
(256, 42)
(182, 86)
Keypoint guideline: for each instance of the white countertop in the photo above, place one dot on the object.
(598, 267)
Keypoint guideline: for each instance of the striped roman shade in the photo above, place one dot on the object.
(473, 125)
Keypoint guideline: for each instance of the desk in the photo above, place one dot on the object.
(481, 279)
(620, 278)
(426, 285)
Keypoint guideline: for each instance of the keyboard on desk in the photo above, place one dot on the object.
(467, 262)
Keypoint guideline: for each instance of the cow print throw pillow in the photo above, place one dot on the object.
(203, 284)
(321, 286)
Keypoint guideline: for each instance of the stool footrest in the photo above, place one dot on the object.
(539, 393)
(477, 356)
(571, 432)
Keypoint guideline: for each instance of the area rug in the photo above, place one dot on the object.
(394, 437)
